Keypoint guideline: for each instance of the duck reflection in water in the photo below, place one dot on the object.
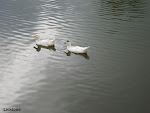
(85, 55)
(38, 48)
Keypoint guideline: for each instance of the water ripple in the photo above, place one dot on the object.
(115, 30)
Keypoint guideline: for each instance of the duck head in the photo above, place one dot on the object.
(68, 43)
(37, 37)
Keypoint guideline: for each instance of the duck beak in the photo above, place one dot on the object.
(33, 36)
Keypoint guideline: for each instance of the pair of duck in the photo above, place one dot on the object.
(74, 49)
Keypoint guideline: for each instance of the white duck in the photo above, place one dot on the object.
(76, 49)
(44, 42)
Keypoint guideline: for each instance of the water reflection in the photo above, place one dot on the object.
(38, 48)
(55, 80)
(85, 55)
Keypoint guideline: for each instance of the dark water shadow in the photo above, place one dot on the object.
(38, 48)
(124, 10)
(85, 55)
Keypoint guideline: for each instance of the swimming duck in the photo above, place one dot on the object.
(44, 42)
(76, 49)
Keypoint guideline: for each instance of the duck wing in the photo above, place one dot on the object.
(77, 49)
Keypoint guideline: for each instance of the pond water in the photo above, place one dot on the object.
(112, 78)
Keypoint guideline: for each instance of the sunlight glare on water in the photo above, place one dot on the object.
(113, 77)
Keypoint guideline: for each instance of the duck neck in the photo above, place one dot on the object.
(68, 44)
(38, 38)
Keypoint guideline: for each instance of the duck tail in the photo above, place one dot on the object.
(53, 40)
(87, 47)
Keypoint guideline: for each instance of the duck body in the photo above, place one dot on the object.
(76, 49)
(44, 42)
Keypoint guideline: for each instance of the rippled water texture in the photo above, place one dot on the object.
(112, 78)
